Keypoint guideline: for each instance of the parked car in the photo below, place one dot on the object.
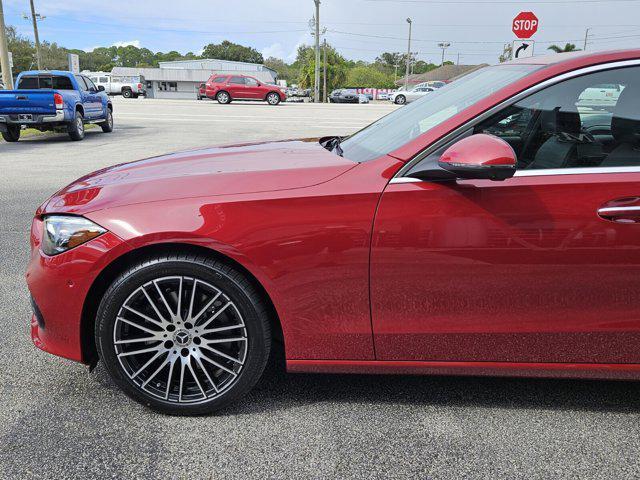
(363, 98)
(227, 88)
(600, 97)
(480, 231)
(54, 100)
(202, 91)
(344, 96)
(432, 84)
(384, 95)
(128, 87)
(405, 96)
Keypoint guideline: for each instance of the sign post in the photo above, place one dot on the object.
(524, 26)
(74, 63)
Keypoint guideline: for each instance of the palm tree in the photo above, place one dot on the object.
(569, 47)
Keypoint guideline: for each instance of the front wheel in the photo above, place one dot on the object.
(107, 125)
(183, 335)
(12, 134)
(273, 98)
(75, 128)
(400, 100)
(127, 93)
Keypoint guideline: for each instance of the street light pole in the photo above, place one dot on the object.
(324, 76)
(34, 19)
(586, 35)
(406, 76)
(443, 46)
(4, 53)
(316, 86)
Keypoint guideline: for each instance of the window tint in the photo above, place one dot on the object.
(42, 82)
(90, 84)
(251, 82)
(588, 121)
(103, 80)
(219, 79)
(81, 83)
(237, 80)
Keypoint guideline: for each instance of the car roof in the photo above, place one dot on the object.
(587, 58)
(47, 72)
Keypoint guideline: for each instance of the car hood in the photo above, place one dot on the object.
(227, 170)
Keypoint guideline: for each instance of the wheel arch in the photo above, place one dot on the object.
(121, 263)
(79, 108)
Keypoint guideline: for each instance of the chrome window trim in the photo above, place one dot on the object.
(508, 102)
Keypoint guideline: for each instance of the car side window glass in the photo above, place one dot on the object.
(61, 83)
(237, 80)
(28, 83)
(588, 121)
(81, 83)
(219, 79)
(90, 84)
(251, 82)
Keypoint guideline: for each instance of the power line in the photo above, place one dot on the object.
(489, 2)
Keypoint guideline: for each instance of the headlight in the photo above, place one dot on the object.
(63, 232)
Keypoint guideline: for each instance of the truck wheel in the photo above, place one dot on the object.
(76, 127)
(127, 93)
(12, 134)
(107, 125)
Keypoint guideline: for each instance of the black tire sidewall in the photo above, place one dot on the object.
(220, 101)
(127, 93)
(73, 130)
(246, 300)
(106, 127)
(271, 95)
(12, 134)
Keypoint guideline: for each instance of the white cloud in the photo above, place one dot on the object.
(274, 50)
(135, 43)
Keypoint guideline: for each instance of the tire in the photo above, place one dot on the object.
(107, 126)
(400, 100)
(194, 392)
(273, 98)
(223, 98)
(126, 93)
(75, 128)
(12, 134)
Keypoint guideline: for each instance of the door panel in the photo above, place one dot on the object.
(523, 270)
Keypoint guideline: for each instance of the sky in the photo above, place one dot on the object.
(359, 29)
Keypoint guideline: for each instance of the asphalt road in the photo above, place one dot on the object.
(59, 421)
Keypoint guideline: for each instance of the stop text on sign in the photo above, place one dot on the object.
(525, 25)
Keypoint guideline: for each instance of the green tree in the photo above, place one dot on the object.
(285, 71)
(336, 67)
(569, 47)
(22, 49)
(368, 77)
(232, 51)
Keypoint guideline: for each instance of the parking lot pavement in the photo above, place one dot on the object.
(59, 421)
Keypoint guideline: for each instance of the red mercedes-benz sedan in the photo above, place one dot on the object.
(490, 229)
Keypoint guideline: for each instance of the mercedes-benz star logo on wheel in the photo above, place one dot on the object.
(182, 337)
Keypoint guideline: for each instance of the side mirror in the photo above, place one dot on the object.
(101, 88)
(480, 156)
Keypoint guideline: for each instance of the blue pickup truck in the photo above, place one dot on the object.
(54, 100)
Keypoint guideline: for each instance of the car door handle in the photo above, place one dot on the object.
(623, 210)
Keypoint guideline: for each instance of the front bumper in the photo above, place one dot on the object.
(59, 286)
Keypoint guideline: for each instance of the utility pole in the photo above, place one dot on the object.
(443, 46)
(324, 75)
(34, 18)
(316, 86)
(586, 35)
(458, 60)
(4, 53)
(406, 76)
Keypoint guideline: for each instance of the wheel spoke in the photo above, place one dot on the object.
(193, 296)
(153, 305)
(164, 300)
(162, 365)
(206, 373)
(179, 311)
(136, 352)
(133, 324)
(194, 319)
(149, 362)
(215, 315)
(193, 374)
(220, 329)
(222, 354)
(225, 340)
(147, 318)
(137, 340)
(221, 367)
(166, 394)
(181, 380)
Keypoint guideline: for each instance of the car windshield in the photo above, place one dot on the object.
(407, 123)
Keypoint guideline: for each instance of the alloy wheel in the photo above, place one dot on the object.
(180, 339)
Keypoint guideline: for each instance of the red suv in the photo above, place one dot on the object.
(226, 88)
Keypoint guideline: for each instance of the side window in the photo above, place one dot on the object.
(587, 121)
(90, 84)
(237, 80)
(251, 82)
(81, 83)
(219, 79)
(103, 80)
(61, 83)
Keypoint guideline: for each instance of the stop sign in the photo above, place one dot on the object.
(525, 25)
